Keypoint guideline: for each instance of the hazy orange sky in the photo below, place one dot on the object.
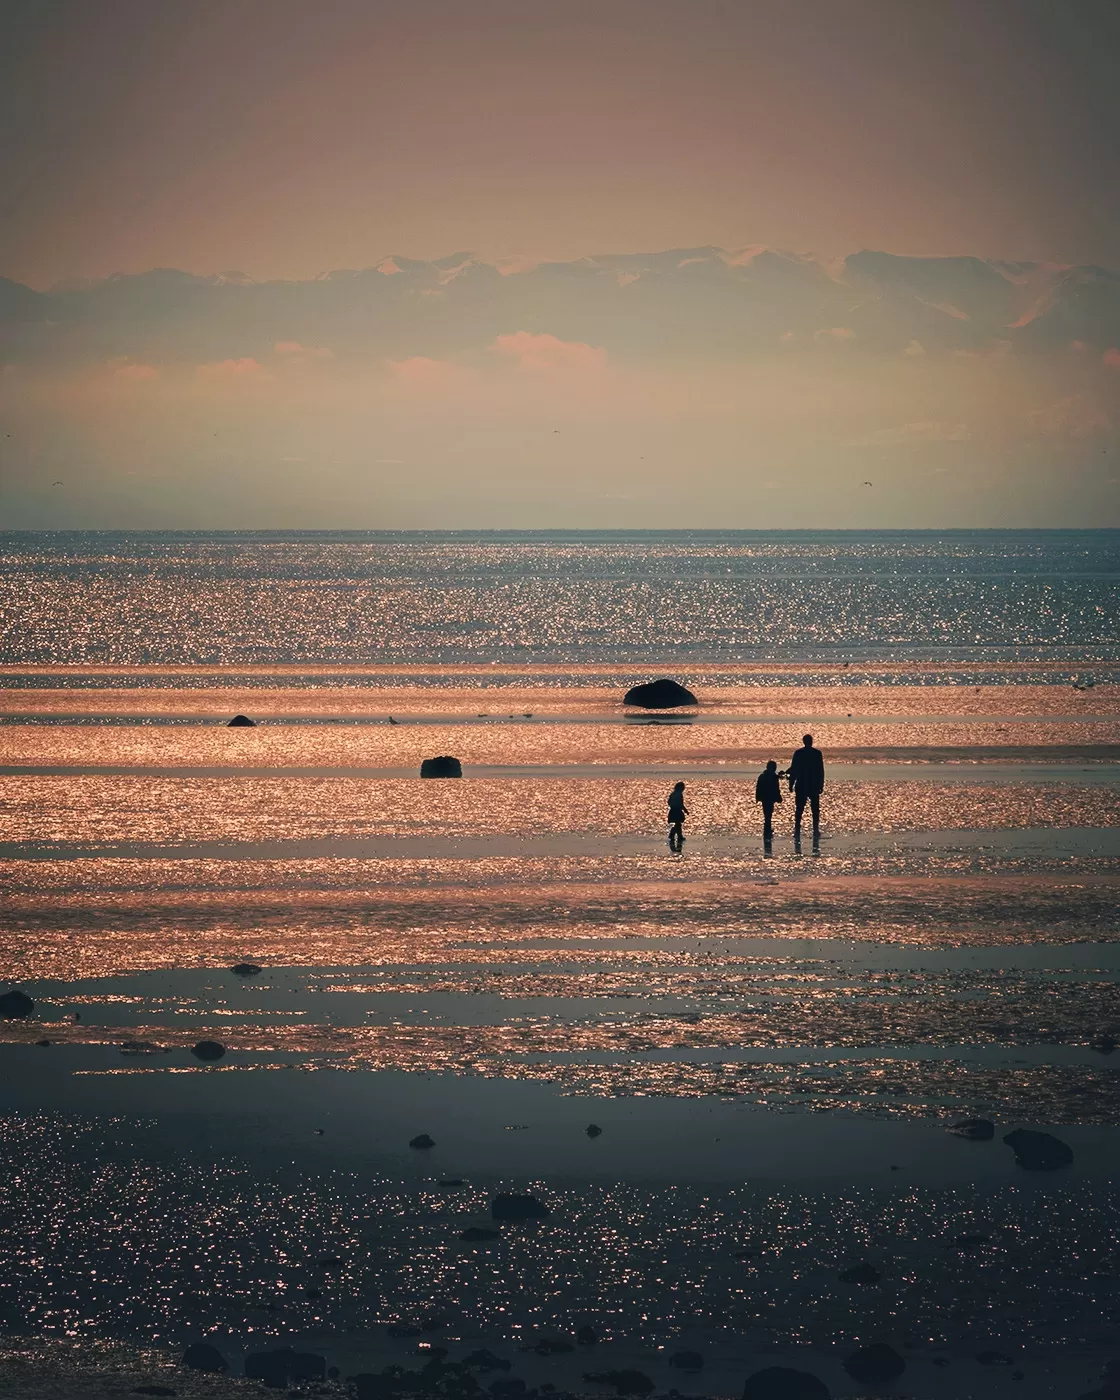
(684, 377)
(285, 137)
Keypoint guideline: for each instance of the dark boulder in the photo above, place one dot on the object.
(201, 1356)
(421, 1142)
(509, 1205)
(593, 1130)
(659, 695)
(860, 1273)
(782, 1383)
(875, 1364)
(475, 1233)
(16, 1005)
(687, 1361)
(974, 1129)
(245, 969)
(242, 722)
(485, 1360)
(443, 767)
(283, 1367)
(208, 1050)
(624, 1382)
(1038, 1152)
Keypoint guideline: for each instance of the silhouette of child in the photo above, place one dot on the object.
(768, 791)
(677, 813)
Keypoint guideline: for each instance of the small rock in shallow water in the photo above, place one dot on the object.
(509, 1205)
(245, 969)
(208, 1050)
(449, 1182)
(16, 1005)
(593, 1130)
(1038, 1152)
(201, 1356)
(442, 767)
(875, 1363)
(242, 722)
(974, 1129)
(421, 1142)
(783, 1383)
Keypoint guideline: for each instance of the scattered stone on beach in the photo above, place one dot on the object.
(421, 1142)
(485, 1360)
(860, 1273)
(782, 1383)
(587, 1336)
(283, 1367)
(16, 1005)
(659, 695)
(875, 1364)
(1038, 1152)
(474, 1233)
(974, 1129)
(242, 722)
(245, 969)
(443, 767)
(593, 1130)
(208, 1050)
(624, 1382)
(201, 1356)
(687, 1361)
(994, 1358)
(509, 1205)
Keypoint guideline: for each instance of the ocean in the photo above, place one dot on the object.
(730, 1074)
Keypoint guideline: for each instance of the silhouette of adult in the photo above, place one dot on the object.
(806, 781)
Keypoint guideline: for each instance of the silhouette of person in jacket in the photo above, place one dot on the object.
(677, 813)
(806, 781)
(768, 791)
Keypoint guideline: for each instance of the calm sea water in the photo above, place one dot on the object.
(235, 599)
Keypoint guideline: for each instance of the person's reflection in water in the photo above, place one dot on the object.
(677, 813)
(768, 791)
(806, 780)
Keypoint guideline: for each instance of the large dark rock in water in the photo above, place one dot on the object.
(974, 1129)
(508, 1205)
(283, 1367)
(242, 722)
(245, 969)
(443, 767)
(659, 695)
(1038, 1152)
(422, 1142)
(875, 1364)
(208, 1050)
(16, 1005)
(201, 1356)
(782, 1383)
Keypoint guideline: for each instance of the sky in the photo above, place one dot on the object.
(284, 140)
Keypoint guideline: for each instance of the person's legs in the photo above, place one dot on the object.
(798, 812)
(815, 806)
(676, 834)
(768, 821)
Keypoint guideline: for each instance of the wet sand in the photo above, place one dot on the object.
(772, 1043)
